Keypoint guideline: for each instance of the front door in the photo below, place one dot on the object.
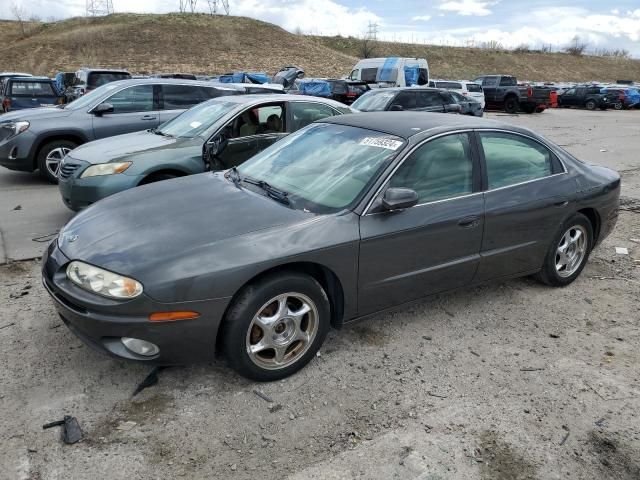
(525, 203)
(433, 246)
(134, 109)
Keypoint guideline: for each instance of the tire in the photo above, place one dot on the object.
(241, 328)
(618, 106)
(590, 105)
(540, 110)
(50, 156)
(560, 277)
(511, 105)
(157, 177)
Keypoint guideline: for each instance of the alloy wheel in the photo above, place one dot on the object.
(282, 331)
(54, 158)
(571, 251)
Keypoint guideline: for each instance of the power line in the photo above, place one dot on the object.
(372, 31)
(96, 8)
(188, 6)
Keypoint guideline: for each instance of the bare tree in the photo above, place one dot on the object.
(367, 47)
(576, 47)
(20, 15)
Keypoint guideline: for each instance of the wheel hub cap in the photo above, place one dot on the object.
(54, 158)
(571, 251)
(282, 331)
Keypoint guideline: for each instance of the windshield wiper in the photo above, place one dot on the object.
(273, 192)
(159, 132)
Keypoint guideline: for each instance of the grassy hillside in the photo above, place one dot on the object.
(216, 44)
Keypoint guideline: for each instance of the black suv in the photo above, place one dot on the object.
(410, 98)
(88, 79)
(588, 97)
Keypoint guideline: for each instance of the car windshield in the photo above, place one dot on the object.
(88, 99)
(324, 167)
(373, 101)
(196, 120)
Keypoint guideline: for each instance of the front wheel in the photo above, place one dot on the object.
(276, 326)
(50, 156)
(568, 253)
(590, 105)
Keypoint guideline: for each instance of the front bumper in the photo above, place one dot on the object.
(101, 322)
(15, 152)
(78, 193)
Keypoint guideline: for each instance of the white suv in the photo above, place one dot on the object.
(463, 87)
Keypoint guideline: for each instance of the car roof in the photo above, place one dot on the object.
(6, 74)
(407, 124)
(32, 79)
(277, 97)
(166, 81)
(407, 89)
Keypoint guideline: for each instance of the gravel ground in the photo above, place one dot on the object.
(511, 380)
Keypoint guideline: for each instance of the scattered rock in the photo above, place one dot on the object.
(126, 426)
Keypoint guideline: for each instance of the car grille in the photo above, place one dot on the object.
(67, 168)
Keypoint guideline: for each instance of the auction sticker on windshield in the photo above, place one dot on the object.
(387, 143)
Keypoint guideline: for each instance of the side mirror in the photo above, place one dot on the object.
(399, 198)
(396, 108)
(212, 151)
(103, 108)
(453, 108)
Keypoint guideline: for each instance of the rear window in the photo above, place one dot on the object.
(454, 85)
(488, 81)
(508, 82)
(474, 87)
(339, 87)
(33, 89)
(97, 79)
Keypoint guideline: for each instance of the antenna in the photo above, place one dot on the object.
(216, 5)
(188, 6)
(96, 8)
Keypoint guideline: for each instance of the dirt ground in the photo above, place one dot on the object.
(508, 381)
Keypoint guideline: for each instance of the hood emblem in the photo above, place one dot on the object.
(73, 238)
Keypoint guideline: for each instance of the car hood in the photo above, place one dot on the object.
(35, 114)
(142, 230)
(113, 149)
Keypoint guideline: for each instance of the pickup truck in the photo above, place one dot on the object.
(502, 92)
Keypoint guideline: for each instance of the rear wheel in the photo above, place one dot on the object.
(511, 105)
(568, 253)
(618, 106)
(50, 156)
(529, 108)
(276, 326)
(590, 105)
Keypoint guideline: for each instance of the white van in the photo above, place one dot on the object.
(391, 71)
(463, 87)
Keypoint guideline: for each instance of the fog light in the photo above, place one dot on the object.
(140, 347)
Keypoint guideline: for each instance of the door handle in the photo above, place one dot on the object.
(561, 203)
(148, 117)
(469, 222)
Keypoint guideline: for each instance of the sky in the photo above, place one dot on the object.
(613, 24)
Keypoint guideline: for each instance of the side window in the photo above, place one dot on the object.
(512, 159)
(132, 99)
(266, 119)
(354, 74)
(571, 91)
(179, 97)
(304, 113)
(208, 92)
(507, 82)
(429, 99)
(423, 76)
(407, 100)
(473, 87)
(439, 169)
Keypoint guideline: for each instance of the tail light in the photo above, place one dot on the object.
(6, 104)
(529, 92)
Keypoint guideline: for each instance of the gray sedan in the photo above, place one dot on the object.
(345, 218)
(240, 126)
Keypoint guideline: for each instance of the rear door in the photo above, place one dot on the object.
(433, 246)
(431, 101)
(135, 108)
(527, 198)
(302, 114)
(405, 100)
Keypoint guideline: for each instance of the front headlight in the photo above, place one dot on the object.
(102, 282)
(105, 169)
(16, 128)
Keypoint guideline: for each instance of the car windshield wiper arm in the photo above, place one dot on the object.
(234, 176)
(275, 193)
(159, 132)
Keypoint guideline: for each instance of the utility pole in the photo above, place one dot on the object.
(372, 31)
(216, 6)
(188, 6)
(96, 8)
